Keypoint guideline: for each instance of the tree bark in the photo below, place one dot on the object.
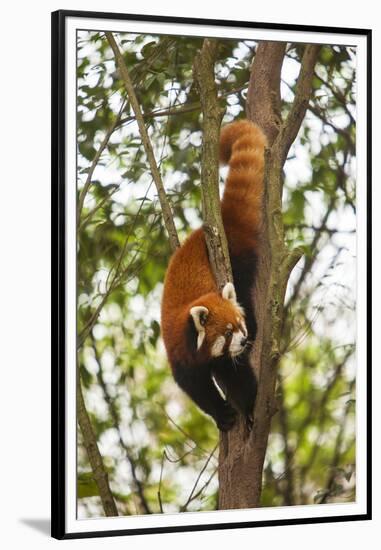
(212, 113)
(242, 454)
(95, 458)
(263, 102)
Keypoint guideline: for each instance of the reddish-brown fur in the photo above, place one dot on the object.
(189, 280)
(241, 202)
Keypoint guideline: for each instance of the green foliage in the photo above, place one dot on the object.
(154, 441)
(86, 486)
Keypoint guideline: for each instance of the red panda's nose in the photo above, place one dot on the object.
(243, 342)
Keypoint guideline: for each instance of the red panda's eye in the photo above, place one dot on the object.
(229, 333)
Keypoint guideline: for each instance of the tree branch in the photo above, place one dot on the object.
(192, 494)
(310, 259)
(339, 96)
(116, 421)
(184, 433)
(302, 97)
(94, 163)
(330, 484)
(318, 411)
(289, 491)
(95, 458)
(181, 108)
(323, 116)
(165, 206)
(203, 72)
(119, 274)
(137, 75)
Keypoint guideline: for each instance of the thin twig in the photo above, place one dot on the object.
(288, 452)
(318, 112)
(299, 106)
(159, 487)
(182, 108)
(181, 430)
(99, 205)
(116, 420)
(190, 498)
(118, 276)
(165, 206)
(203, 487)
(337, 451)
(311, 258)
(338, 95)
(95, 161)
(321, 410)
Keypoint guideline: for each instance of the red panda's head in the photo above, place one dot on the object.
(220, 323)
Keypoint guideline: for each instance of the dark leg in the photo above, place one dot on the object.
(239, 378)
(239, 384)
(198, 384)
(244, 268)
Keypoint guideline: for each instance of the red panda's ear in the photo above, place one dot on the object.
(228, 293)
(200, 315)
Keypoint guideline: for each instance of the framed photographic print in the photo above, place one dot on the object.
(211, 274)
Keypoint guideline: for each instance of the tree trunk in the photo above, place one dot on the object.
(242, 454)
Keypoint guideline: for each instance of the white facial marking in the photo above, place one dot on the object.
(243, 328)
(236, 347)
(199, 315)
(218, 347)
(200, 338)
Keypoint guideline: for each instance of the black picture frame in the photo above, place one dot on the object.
(58, 318)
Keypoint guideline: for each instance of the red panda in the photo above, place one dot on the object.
(207, 333)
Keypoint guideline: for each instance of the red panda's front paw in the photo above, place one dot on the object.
(226, 417)
(249, 422)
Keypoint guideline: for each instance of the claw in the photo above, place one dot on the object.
(249, 422)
